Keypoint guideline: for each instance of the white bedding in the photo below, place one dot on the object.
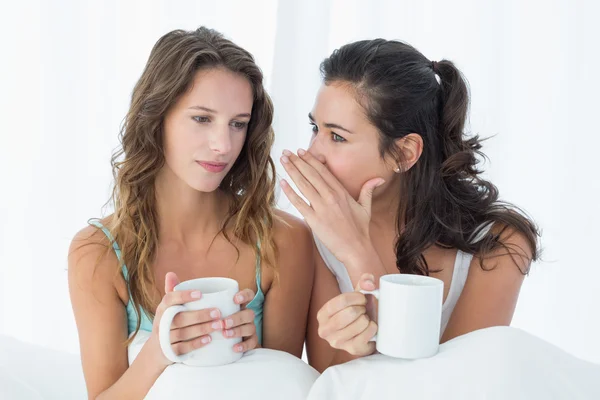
(494, 363)
(32, 372)
(262, 374)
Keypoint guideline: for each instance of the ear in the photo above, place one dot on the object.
(411, 148)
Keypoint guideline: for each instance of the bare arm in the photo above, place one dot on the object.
(287, 301)
(325, 288)
(102, 324)
(489, 297)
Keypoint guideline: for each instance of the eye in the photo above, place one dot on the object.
(337, 138)
(314, 128)
(201, 119)
(239, 125)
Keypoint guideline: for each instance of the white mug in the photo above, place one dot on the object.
(409, 315)
(216, 293)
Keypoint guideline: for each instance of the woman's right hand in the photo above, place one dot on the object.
(190, 330)
(345, 323)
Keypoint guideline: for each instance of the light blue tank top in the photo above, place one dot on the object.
(255, 305)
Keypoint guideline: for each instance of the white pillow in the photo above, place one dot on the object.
(493, 363)
(29, 371)
(261, 374)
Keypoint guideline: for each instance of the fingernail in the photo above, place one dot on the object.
(228, 333)
(285, 160)
(370, 282)
(283, 182)
(216, 325)
(287, 153)
(196, 294)
(301, 152)
(206, 339)
(228, 323)
(237, 348)
(239, 298)
(381, 182)
(214, 314)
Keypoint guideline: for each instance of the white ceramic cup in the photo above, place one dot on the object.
(216, 293)
(409, 315)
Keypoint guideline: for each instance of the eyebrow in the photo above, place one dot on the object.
(214, 112)
(329, 124)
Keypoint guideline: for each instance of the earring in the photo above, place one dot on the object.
(397, 170)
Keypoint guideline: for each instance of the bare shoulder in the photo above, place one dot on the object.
(93, 265)
(515, 250)
(294, 244)
(292, 233)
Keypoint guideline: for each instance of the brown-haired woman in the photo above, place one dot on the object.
(193, 197)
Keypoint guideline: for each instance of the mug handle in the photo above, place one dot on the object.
(164, 332)
(375, 293)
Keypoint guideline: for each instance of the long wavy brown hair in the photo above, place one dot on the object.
(249, 185)
(443, 198)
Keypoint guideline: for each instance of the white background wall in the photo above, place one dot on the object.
(67, 69)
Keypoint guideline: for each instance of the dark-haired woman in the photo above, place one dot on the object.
(393, 187)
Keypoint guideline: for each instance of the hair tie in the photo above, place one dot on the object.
(434, 67)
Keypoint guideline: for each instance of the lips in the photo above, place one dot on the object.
(212, 166)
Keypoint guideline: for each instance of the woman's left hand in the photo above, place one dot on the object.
(339, 221)
(241, 324)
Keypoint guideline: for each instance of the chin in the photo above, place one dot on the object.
(207, 186)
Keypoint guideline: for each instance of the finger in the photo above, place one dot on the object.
(341, 320)
(180, 297)
(362, 340)
(185, 347)
(296, 200)
(171, 280)
(306, 181)
(305, 174)
(366, 282)
(191, 332)
(339, 338)
(319, 166)
(243, 297)
(365, 197)
(187, 318)
(248, 344)
(245, 316)
(340, 302)
(245, 330)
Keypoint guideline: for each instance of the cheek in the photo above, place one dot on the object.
(175, 144)
(238, 140)
(354, 169)
(349, 171)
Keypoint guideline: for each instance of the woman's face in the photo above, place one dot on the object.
(205, 130)
(345, 140)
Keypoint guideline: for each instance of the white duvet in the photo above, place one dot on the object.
(494, 363)
(261, 374)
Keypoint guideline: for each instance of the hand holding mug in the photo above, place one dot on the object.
(189, 330)
(208, 329)
(408, 317)
(344, 322)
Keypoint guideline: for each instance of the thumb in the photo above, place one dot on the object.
(366, 282)
(366, 193)
(171, 281)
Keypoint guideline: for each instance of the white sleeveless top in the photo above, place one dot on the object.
(459, 275)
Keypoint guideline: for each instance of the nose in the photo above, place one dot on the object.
(220, 139)
(316, 148)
